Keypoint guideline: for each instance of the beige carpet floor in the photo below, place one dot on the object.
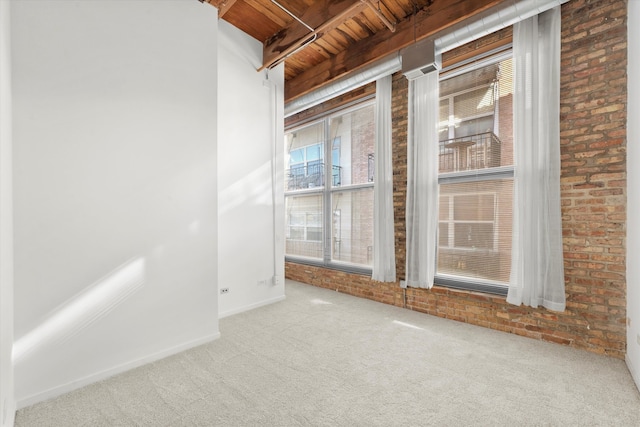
(321, 358)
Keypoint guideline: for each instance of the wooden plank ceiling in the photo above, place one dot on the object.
(323, 40)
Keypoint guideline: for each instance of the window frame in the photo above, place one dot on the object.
(329, 189)
(476, 175)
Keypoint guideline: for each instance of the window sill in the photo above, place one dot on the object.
(347, 268)
(471, 286)
(488, 289)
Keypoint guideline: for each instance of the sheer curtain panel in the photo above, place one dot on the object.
(422, 181)
(384, 255)
(537, 272)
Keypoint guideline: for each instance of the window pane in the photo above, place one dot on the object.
(305, 136)
(504, 120)
(473, 103)
(314, 152)
(304, 225)
(336, 175)
(313, 219)
(314, 175)
(443, 205)
(443, 234)
(475, 230)
(473, 235)
(304, 150)
(354, 132)
(324, 161)
(296, 156)
(352, 227)
(475, 78)
(474, 127)
(476, 119)
(296, 219)
(314, 234)
(444, 113)
(474, 207)
(296, 233)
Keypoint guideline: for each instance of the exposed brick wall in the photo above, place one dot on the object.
(593, 179)
(593, 176)
(399, 129)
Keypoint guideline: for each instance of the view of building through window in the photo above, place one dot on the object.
(476, 171)
(329, 188)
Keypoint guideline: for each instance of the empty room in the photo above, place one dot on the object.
(319, 213)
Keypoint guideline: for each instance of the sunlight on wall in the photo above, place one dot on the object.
(253, 186)
(84, 309)
(194, 227)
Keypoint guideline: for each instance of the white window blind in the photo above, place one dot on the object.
(476, 173)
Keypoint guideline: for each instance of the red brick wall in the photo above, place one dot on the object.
(593, 141)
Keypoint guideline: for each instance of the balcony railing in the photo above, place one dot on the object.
(311, 176)
(470, 152)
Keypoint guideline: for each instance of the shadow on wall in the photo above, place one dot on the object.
(83, 309)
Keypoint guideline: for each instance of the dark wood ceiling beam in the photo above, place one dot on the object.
(437, 16)
(224, 7)
(322, 16)
(375, 9)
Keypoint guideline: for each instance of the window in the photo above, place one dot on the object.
(467, 221)
(330, 221)
(305, 219)
(476, 174)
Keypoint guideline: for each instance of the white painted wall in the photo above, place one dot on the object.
(114, 106)
(633, 191)
(7, 403)
(245, 142)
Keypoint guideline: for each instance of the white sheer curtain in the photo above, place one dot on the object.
(537, 273)
(384, 255)
(422, 181)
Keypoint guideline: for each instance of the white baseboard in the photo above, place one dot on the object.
(99, 376)
(251, 306)
(8, 417)
(634, 374)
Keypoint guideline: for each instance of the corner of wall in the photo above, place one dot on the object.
(250, 178)
(7, 398)
(632, 356)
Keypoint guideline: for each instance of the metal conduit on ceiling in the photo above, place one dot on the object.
(380, 68)
(482, 24)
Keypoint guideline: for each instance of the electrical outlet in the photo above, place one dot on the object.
(224, 290)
